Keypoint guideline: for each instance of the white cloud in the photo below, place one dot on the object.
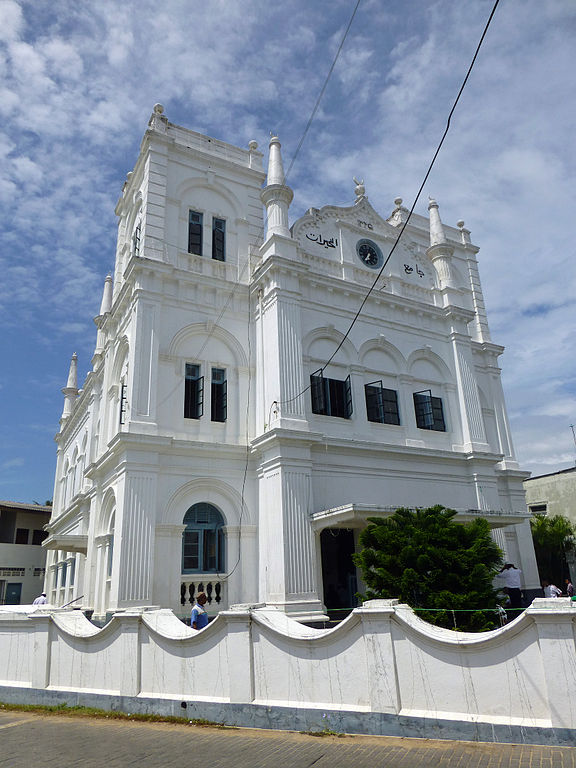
(79, 82)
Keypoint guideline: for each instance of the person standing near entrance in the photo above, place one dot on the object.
(510, 575)
(199, 617)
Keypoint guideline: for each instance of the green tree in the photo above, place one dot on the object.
(426, 559)
(553, 536)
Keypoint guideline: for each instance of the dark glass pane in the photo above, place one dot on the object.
(437, 414)
(373, 402)
(193, 396)
(195, 233)
(219, 239)
(219, 401)
(347, 398)
(21, 536)
(209, 551)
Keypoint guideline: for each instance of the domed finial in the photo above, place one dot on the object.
(252, 145)
(460, 223)
(359, 189)
(397, 202)
(158, 109)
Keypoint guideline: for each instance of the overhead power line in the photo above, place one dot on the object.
(424, 180)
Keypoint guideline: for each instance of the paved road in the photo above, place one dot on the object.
(42, 741)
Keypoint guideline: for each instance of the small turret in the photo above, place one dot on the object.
(105, 307)
(70, 391)
(437, 234)
(440, 251)
(106, 304)
(276, 195)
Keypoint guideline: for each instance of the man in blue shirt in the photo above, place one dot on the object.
(199, 617)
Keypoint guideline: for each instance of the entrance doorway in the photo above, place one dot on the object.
(338, 571)
(13, 594)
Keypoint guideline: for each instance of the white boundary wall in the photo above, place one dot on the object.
(382, 659)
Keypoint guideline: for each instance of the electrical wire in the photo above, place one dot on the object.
(425, 179)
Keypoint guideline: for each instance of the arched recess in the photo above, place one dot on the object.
(381, 355)
(320, 344)
(212, 491)
(425, 365)
(107, 512)
(120, 364)
(195, 331)
(186, 193)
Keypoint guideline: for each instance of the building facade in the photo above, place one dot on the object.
(233, 435)
(22, 559)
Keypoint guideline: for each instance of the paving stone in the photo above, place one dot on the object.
(44, 741)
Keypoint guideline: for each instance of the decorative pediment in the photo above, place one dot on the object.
(352, 242)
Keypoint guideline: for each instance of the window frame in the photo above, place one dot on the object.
(429, 411)
(214, 524)
(218, 396)
(193, 391)
(195, 236)
(386, 414)
(326, 399)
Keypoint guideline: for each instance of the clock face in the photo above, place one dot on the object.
(369, 253)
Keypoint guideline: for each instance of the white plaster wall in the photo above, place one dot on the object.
(382, 658)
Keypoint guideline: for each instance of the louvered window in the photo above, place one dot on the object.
(219, 239)
(195, 233)
(193, 392)
(381, 403)
(331, 397)
(429, 411)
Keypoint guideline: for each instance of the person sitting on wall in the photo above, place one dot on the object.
(550, 590)
(510, 575)
(199, 617)
(40, 600)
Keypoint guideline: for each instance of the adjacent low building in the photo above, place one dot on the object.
(239, 426)
(553, 493)
(22, 558)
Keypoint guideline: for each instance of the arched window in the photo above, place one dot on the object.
(203, 540)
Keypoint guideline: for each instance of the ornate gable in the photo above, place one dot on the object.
(353, 242)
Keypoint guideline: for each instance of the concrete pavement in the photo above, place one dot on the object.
(42, 741)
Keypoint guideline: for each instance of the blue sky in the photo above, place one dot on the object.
(78, 82)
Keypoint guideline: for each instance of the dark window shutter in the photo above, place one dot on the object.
(373, 392)
(423, 410)
(219, 400)
(347, 398)
(195, 233)
(390, 414)
(318, 393)
(219, 240)
(437, 414)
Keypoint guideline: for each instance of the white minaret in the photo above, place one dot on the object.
(70, 391)
(276, 195)
(440, 252)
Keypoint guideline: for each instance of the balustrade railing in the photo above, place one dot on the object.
(214, 585)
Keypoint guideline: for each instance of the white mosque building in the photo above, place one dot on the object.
(213, 448)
